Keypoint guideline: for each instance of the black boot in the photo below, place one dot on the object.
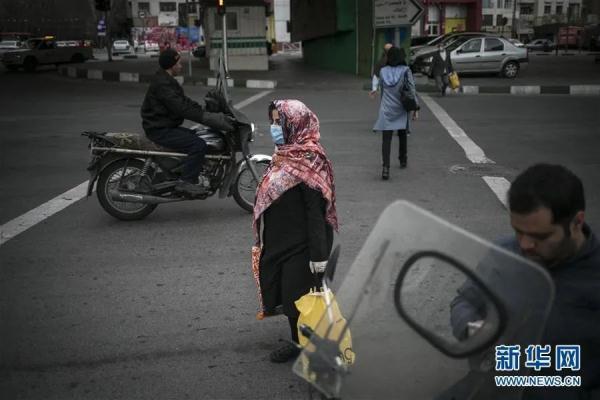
(385, 173)
(285, 353)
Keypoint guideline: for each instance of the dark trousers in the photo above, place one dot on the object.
(386, 146)
(284, 283)
(183, 140)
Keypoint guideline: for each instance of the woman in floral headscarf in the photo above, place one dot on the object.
(295, 207)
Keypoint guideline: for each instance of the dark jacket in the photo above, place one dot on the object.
(574, 318)
(440, 67)
(295, 222)
(166, 105)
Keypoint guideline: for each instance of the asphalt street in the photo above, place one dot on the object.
(92, 307)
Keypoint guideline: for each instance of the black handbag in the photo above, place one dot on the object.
(407, 96)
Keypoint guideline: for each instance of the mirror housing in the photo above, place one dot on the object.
(489, 329)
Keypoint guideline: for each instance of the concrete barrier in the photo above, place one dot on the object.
(129, 77)
(258, 84)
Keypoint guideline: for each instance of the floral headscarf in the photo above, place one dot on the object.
(301, 159)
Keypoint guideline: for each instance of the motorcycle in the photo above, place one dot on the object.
(397, 299)
(135, 175)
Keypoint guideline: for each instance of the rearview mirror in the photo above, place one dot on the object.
(430, 290)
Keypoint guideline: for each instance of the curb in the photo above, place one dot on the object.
(134, 77)
(517, 90)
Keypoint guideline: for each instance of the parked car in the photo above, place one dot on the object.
(44, 51)
(8, 45)
(420, 53)
(150, 45)
(486, 54)
(516, 42)
(120, 47)
(421, 40)
(541, 44)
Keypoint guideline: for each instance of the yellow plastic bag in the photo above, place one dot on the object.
(453, 80)
(313, 307)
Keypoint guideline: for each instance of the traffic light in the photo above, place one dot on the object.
(221, 7)
(102, 5)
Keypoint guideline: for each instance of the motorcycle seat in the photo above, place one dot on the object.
(135, 141)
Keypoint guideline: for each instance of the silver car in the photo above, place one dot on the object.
(489, 54)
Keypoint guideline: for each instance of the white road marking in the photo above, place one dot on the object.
(499, 186)
(20, 224)
(473, 152)
(23, 222)
(252, 99)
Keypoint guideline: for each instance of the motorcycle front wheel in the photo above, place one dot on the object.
(244, 189)
(109, 181)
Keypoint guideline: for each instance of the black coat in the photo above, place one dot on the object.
(295, 232)
(439, 67)
(166, 105)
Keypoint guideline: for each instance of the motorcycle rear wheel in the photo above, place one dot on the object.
(109, 180)
(244, 190)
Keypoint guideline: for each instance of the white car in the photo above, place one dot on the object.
(150, 45)
(120, 46)
(8, 45)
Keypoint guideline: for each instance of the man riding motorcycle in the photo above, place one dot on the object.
(164, 109)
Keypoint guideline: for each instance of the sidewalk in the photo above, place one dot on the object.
(544, 74)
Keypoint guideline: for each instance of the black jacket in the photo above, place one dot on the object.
(166, 105)
(440, 67)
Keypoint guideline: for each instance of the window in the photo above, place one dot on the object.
(144, 6)
(508, 4)
(499, 5)
(499, 20)
(167, 7)
(493, 44)
(488, 20)
(231, 22)
(472, 46)
(559, 9)
(433, 29)
(547, 8)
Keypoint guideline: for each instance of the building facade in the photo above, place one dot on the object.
(445, 16)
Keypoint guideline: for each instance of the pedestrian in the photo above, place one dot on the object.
(392, 114)
(295, 207)
(547, 213)
(377, 69)
(165, 108)
(441, 66)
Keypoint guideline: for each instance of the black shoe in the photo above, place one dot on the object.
(190, 188)
(403, 164)
(285, 353)
(385, 173)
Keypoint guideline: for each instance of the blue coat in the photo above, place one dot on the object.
(392, 116)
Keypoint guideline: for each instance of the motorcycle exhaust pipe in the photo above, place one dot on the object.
(141, 198)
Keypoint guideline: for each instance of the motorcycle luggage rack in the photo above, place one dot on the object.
(153, 153)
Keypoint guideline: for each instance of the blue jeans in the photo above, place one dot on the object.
(183, 140)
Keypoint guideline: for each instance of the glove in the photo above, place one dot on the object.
(218, 121)
(317, 267)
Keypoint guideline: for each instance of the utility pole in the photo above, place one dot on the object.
(189, 35)
(514, 20)
(221, 10)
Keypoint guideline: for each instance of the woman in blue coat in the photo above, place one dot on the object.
(392, 115)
